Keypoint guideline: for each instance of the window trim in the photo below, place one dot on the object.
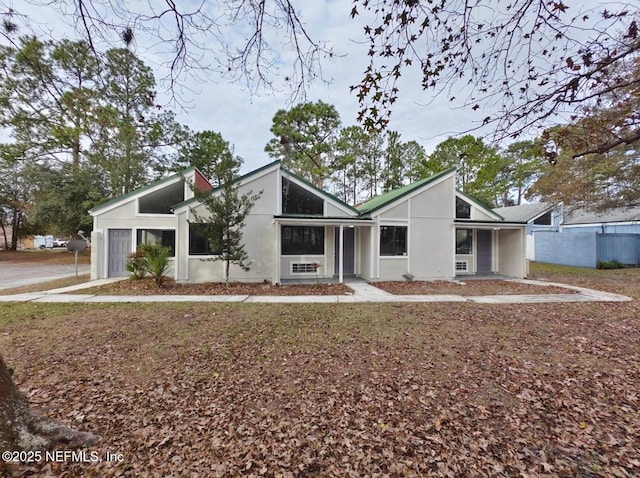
(169, 229)
(470, 237)
(460, 216)
(209, 253)
(304, 190)
(304, 251)
(405, 252)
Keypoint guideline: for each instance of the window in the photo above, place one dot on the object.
(297, 200)
(464, 240)
(198, 241)
(161, 202)
(300, 240)
(544, 220)
(463, 209)
(165, 238)
(393, 240)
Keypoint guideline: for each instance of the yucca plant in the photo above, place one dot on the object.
(156, 261)
(136, 264)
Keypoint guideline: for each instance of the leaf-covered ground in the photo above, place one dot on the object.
(147, 286)
(471, 287)
(339, 389)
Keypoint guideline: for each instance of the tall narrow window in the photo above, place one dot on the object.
(299, 201)
(463, 209)
(464, 241)
(393, 240)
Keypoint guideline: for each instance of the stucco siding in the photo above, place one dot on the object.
(363, 246)
(393, 268)
(258, 240)
(334, 211)
(269, 185)
(205, 271)
(480, 215)
(401, 211)
(257, 237)
(431, 248)
(113, 217)
(511, 256)
(437, 201)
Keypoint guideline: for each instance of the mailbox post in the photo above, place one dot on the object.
(75, 246)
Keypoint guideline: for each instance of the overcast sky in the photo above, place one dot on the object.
(244, 119)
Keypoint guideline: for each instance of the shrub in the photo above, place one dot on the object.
(136, 264)
(408, 277)
(156, 261)
(610, 264)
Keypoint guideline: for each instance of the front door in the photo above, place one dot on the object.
(119, 250)
(348, 252)
(484, 251)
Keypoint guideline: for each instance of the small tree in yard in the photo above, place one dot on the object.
(223, 228)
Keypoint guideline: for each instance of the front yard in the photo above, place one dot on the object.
(193, 389)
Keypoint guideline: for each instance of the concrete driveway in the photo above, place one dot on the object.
(16, 275)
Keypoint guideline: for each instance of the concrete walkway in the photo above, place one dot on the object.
(362, 292)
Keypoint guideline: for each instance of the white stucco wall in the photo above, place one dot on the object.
(125, 216)
(481, 215)
(393, 268)
(257, 237)
(401, 211)
(432, 233)
(333, 211)
(511, 255)
(363, 238)
(429, 216)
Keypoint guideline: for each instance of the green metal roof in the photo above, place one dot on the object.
(387, 198)
(141, 189)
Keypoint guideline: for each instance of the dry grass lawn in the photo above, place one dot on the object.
(194, 389)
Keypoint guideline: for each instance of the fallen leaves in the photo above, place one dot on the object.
(170, 287)
(312, 390)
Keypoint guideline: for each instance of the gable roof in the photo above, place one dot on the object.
(586, 216)
(479, 205)
(385, 199)
(248, 175)
(322, 192)
(524, 212)
(141, 190)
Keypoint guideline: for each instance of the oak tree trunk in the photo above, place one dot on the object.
(20, 429)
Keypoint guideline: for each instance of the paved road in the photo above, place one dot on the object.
(16, 275)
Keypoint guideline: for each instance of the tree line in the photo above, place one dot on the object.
(85, 128)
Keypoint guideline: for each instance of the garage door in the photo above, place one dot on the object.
(119, 250)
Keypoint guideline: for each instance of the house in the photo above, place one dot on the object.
(427, 230)
(579, 236)
(621, 220)
(542, 216)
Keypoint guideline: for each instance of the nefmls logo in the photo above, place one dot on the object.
(83, 456)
